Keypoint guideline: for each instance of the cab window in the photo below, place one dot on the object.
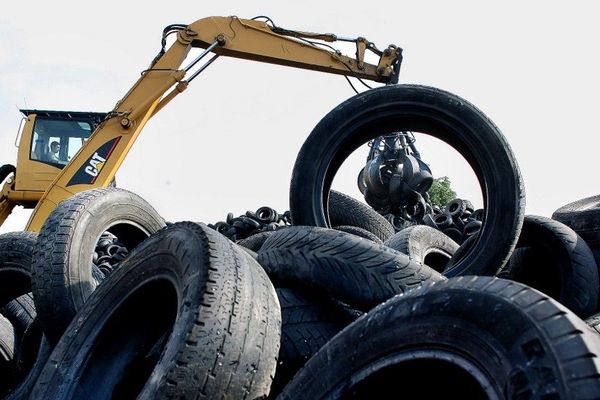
(56, 141)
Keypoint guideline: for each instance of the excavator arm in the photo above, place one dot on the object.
(97, 162)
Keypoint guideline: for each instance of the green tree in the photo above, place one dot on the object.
(440, 192)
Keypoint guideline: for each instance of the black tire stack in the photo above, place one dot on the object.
(109, 301)
(185, 313)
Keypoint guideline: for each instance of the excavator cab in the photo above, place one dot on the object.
(47, 141)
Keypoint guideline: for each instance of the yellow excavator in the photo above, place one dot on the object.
(62, 153)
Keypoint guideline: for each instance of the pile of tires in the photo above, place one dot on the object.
(186, 314)
(328, 300)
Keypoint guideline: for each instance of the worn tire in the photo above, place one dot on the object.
(555, 260)
(16, 250)
(307, 323)
(431, 111)
(188, 315)
(357, 272)
(23, 390)
(469, 337)
(346, 210)
(8, 343)
(360, 232)
(8, 348)
(20, 312)
(255, 241)
(62, 261)
(594, 323)
(583, 216)
(425, 245)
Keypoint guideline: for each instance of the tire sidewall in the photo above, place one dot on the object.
(115, 207)
(454, 321)
(354, 122)
(16, 250)
(82, 333)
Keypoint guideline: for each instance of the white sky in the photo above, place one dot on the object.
(230, 141)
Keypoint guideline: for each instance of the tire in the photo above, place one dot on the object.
(583, 216)
(8, 347)
(454, 234)
(188, 315)
(360, 232)
(424, 245)
(7, 343)
(23, 390)
(16, 250)
(357, 272)
(62, 261)
(345, 210)
(463, 250)
(255, 241)
(29, 346)
(443, 221)
(594, 323)
(251, 253)
(5, 171)
(20, 312)
(456, 208)
(428, 220)
(557, 262)
(431, 111)
(446, 330)
(472, 228)
(307, 323)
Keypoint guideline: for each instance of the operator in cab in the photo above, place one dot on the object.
(54, 150)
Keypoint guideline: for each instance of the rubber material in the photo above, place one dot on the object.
(594, 323)
(16, 250)
(425, 245)
(307, 323)
(62, 261)
(583, 216)
(8, 346)
(480, 337)
(20, 312)
(431, 111)
(255, 241)
(7, 343)
(346, 210)
(188, 315)
(355, 271)
(23, 390)
(360, 232)
(557, 262)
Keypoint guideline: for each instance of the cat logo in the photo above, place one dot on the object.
(89, 171)
(95, 165)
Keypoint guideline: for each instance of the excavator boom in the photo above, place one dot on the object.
(96, 163)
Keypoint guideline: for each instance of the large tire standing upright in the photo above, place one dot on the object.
(61, 273)
(425, 110)
(189, 315)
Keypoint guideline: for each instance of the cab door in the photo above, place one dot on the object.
(47, 145)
